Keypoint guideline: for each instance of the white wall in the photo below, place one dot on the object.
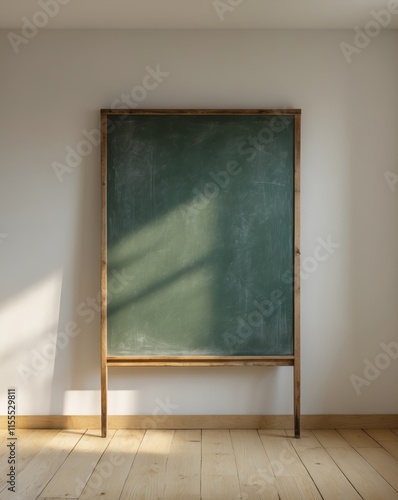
(53, 89)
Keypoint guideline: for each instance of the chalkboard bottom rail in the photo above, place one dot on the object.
(200, 360)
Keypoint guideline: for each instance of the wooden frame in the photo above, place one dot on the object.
(289, 360)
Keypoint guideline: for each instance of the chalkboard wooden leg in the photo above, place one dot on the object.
(297, 415)
(297, 154)
(104, 399)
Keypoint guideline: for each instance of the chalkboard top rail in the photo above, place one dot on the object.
(271, 112)
(200, 361)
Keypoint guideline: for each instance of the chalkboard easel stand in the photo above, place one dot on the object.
(109, 361)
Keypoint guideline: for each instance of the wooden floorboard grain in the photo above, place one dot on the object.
(292, 479)
(366, 480)
(391, 447)
(329, 479)
(44, 465)
(217, 464)
(330, 438)
(382, 434)
(183, 469)
(281, 454)
(146, 480)
(297, 488)
(27, 444)
(358, 438)
(221, 488)
(219, 478)
(383, 462)
(108, 478)
(387, 440)
(255, 473)
(72, 476)
(306, 441)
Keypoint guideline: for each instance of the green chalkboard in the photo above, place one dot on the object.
(200, 233)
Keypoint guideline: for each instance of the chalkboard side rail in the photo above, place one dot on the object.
(200, 361)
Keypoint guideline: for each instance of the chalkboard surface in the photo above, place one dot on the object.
(200, 235)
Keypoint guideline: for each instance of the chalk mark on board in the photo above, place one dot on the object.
(271, 183)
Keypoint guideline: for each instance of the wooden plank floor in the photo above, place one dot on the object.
(209, 464)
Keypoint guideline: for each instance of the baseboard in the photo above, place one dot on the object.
(204, 421)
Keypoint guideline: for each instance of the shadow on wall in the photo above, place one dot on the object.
(207, 279)
(185, 277)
